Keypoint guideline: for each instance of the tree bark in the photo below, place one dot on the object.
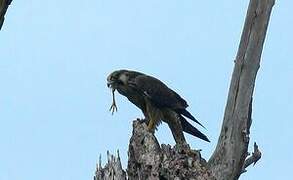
(147, 160)
(3, 8)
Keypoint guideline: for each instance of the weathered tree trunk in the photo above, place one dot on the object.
(147, 160)
(112, 170)
(228, 159)
(3, 8)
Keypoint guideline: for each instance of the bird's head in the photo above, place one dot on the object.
(118, 78)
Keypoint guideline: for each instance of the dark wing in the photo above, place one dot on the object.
(158, 92)
(161, 95)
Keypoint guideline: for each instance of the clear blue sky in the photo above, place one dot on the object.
(55, 56)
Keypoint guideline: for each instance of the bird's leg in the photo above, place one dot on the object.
(113, 106)
(151, 125)
(150, 118)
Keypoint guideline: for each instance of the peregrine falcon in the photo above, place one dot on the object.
(157, 102)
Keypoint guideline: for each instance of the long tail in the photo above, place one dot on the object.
(188, 128)
(187, 114)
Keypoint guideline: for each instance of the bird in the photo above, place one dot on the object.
(157, 102)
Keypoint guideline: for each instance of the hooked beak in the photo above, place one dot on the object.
(111, 84)
(108, 84)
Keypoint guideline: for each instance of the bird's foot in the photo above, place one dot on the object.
(151, 126)
(151, 130)
(142, 120)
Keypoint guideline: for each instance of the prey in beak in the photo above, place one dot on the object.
(114, 81)
(113, 107)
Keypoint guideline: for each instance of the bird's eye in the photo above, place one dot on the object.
(120, 82)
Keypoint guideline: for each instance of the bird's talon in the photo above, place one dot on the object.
(151, 130)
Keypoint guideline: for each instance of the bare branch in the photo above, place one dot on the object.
(256, 155)
(112, 170)
(228, 158)
(3, 8)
